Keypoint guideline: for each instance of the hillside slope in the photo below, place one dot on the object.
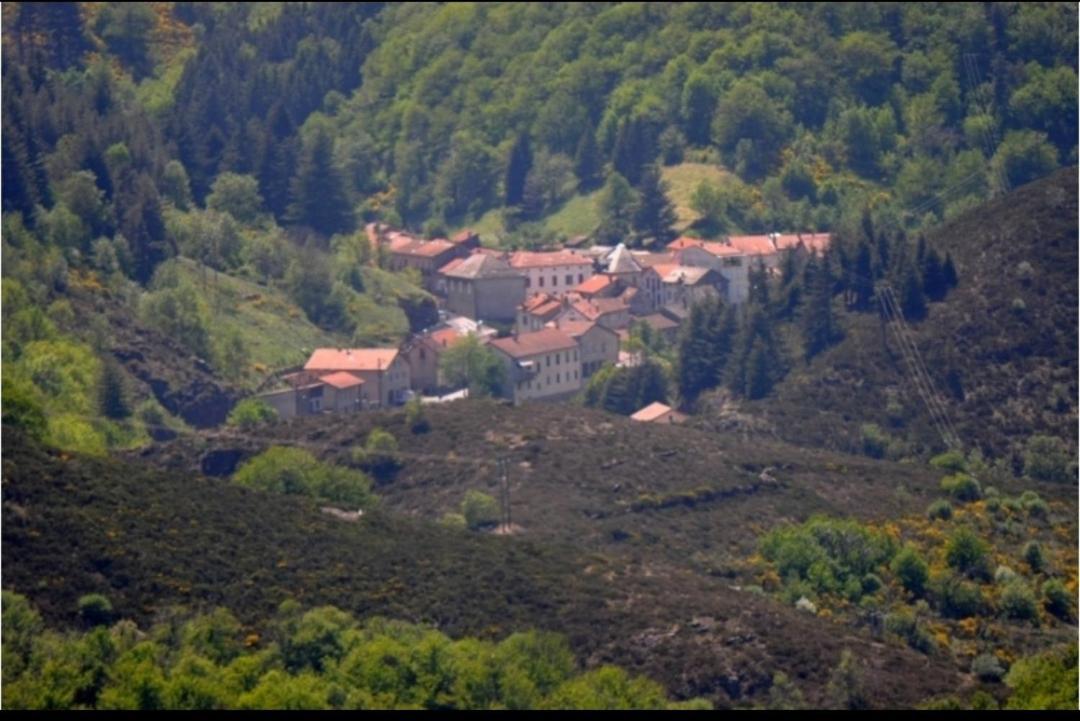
(149, 539)
(1001, 348)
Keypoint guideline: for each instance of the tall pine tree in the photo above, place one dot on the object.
(817, 323)
(588, 163)
(317, 192)
(655, 216)
(517, 170)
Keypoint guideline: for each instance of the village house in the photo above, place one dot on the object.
(423, 351)
(384, 372)
(611, 313)
(598, 345)
(545, 364)
(483, 287)
(426, 256)
(539, 310)
(307, 394)
(688, 285)
(556, 272)
(735, 257)
(662, 326)
(622, 265)
(658, 413)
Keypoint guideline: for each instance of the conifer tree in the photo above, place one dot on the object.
(816, 322)
(113, 393)
(912, 298)
(317, 191)
(933, 276)
(949, 271)
(517, 170)
(633, 149)
(588, 163)
(759, 284)
(862, 280)
(759, 375)
(654, 217)
(617, 203)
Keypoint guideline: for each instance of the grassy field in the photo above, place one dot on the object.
(581, 215)
(275, 331)
(683, 180)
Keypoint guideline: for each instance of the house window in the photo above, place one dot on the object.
(556, 359)
(547, 361)
(528, 282)
(541, 281)
(570, 280)
(575, 355)
(554, 281)
(549, 380)
(558, 378)
(575, 375)
(580, 278)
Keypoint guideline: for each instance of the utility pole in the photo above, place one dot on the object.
(503, 467)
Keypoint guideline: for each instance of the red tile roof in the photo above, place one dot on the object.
(451, 265)
(574, 328)
(424, 248)
(659, 321)
(594, 285)
(445, 337)
(341, 380)
(351, 359)
(651, 412)
(530, 259)
(656, 411)
(752, 244)
(525, 345)
(597, 307)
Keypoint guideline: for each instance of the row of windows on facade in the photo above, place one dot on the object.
(547, 358)
(558, 380)
(555, 280)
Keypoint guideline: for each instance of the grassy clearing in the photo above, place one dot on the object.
(274, 330)
(684, 179)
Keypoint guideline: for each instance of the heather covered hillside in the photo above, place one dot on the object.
(594, 356)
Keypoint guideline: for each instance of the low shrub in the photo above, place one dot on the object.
(1018, 601)
(950, 461)
(479, 510)
(1057, 599)
(962, 487)
(95, 610)
(939, 509)
(986, 667)
(1033, 555)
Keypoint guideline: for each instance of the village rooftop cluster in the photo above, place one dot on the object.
(564, 314)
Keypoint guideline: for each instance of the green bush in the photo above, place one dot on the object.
(1046, 459)
(1018, 601)
(95, 610)
(911, 569)
(295, 471)
(1057, 599)
(962, 487)
(380, 455)
(1034, 505)
(479, 510)
(950, 461)
(905, 624)
(1046, 681)
(986, 667)
(453, 520)
(831, 555)
(966, 551)
(1033, 554)
(957, 598)
(251, 412)
(939, 509)
(415, 417)
(874, 440)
